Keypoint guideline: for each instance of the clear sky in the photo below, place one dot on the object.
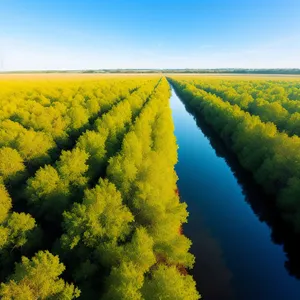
(87, 34)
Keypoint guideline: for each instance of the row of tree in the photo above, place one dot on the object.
(125, 236)
(271, 101)
(19, 231)
(272, 156)
(51, 190)
(27, 136)
(61, 108)
(107, 210)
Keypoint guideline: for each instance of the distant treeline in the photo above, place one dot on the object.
(187, 71)
(203, 71)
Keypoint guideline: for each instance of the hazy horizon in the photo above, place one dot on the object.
(77, 35)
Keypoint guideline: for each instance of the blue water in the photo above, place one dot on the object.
(235, 256)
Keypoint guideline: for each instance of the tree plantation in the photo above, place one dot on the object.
(91, 206)
(89, 203)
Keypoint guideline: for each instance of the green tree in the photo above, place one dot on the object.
(72, 166)
(35, 146)
(94, 143)
(166, 283)
(79, 116)
(38, 278)
(11, 163)
(5, 203)
(15, 228)
(48, 193)
(19, 226)
(100, 218)
(124, 283)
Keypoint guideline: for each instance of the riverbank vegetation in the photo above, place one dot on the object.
(89, 206)
(258, 120)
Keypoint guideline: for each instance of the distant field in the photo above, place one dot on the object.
(217, 76)
(69, 76)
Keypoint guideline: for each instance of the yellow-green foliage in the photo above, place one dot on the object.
(38, 279)
(167, 283)
(11, 163)
(94, 157)
(14, 227)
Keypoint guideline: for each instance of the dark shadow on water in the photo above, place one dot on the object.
(212, 275)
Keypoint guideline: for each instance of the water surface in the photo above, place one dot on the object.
(235, 255)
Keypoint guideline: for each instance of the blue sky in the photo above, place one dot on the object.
(37, 35)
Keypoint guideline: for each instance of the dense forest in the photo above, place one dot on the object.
(89, 206)
(259, 121)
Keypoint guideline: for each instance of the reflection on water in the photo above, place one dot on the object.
(213, 275)
(235, 257)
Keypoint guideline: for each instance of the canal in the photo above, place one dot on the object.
(235, 255)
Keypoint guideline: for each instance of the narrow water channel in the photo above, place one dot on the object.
(235, 255)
